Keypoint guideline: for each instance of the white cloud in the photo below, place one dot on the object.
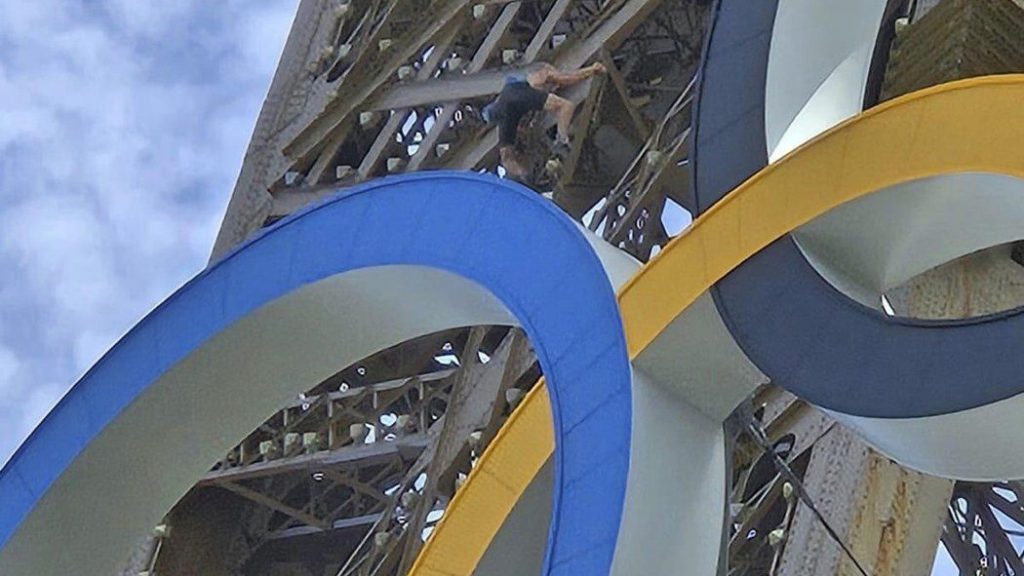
(122, 127)
(151, 20)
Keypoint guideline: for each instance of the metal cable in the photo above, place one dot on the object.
(762, 440)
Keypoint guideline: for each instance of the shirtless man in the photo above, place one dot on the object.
(524, 93)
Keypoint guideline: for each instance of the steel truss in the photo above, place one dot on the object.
(762, 500)
(984, 528)
(369, 88)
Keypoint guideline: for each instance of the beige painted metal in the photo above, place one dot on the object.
(291, 88)
(889, 516)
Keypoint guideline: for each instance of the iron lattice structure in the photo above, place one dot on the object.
(350, 477)
(369, 88)
(983, 528)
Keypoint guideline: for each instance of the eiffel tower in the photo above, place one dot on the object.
(366, 89)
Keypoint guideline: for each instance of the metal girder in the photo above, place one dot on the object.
(376, 387)
(382, 484)
(618, 23)
(478, 406)
(487, 83)
(340, 484)
(467, 147)
(450, 441)
(761, 505)
(544, 31)
(386, 137)
(357, 486)
(408, 448)
(312, 158)
(615, 76)
(631, 214)
(344, 524)
(274, 504)
(533, 49)
(886, 516)
(325, 135)
(585, 124)
(380, 65)
(494, 36)
(983, 526)
(497, 31)
(250, 198)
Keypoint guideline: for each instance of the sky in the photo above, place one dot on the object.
(123, 124)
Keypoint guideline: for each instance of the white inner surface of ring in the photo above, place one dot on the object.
(818, 67)
(875, 243)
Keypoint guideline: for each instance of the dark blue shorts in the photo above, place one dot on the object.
(517, 99)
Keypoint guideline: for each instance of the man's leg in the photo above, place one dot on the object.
(563, 111)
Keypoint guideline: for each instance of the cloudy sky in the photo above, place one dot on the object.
(122, 128)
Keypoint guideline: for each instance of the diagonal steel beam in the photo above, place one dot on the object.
(358, 486)
(440, 90)
(273, 504)
(494, 36)
(479, 406)
(386, 136)
(544, 31)
(362, 453)
(609, 32)
(250, 199)
(449, 443)
(533, 49)
(652, 179)
(641, 126)
(381, 66)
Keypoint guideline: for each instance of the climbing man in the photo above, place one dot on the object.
(524, 93)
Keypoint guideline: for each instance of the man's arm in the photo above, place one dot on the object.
(550, 77)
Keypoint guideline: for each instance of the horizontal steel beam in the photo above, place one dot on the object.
(407, 447)
(343, 524)
(442, 89)
(378, 387)
(615, 28)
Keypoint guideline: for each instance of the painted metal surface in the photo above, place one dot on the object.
(298, 303)
(788, 318)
